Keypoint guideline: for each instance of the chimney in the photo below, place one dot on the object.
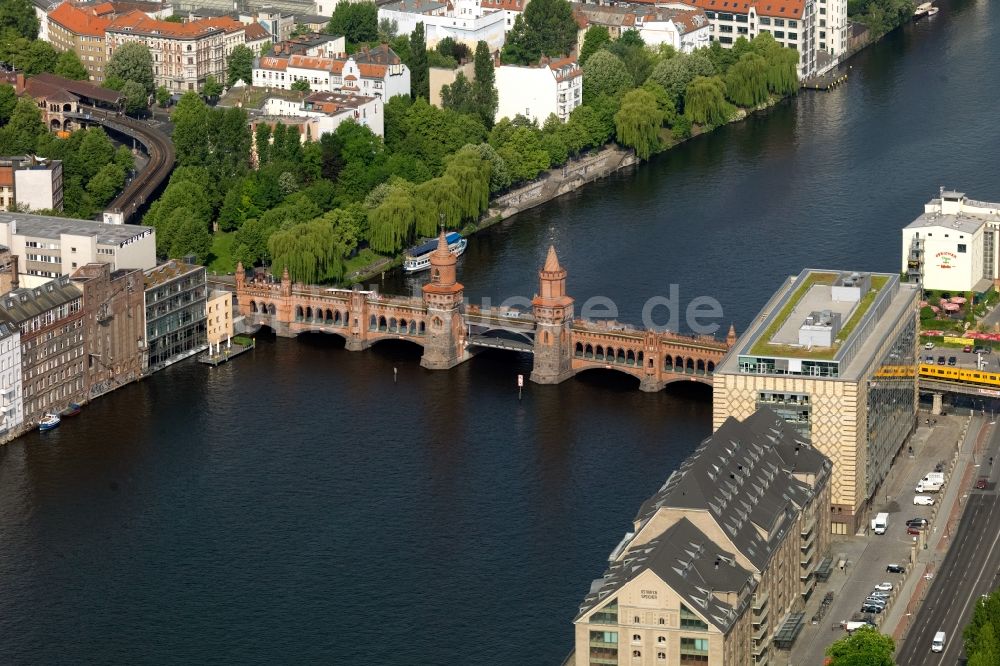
(14, 284)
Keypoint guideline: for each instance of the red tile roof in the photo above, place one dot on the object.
(255, 31)
(138, 22)
(103, 9)
(78, 21)
(508, 5)
(778, 8)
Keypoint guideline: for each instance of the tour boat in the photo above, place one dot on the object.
(924, 9)
(419, 258)
(49, 422)
(72, 410)
(932, 11)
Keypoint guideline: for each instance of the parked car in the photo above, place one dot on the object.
(884, 587)
(967, 348)
(929, 359)
(879, 594)
(929, 345)
(895, 568)
(952, 360)
(982, 483)
(874, 601)
(913, 530)
(982, 349)
(916, 522)
(872, 609)
(940, 360)
(923, 500)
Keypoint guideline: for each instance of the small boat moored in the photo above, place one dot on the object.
(49, 422)
(932, 11)
(419, 258)
(72, 410)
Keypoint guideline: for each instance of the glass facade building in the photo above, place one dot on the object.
(176, 296)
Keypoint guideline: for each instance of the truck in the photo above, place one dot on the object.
(925, 486)
(880, 522)
(934, 476)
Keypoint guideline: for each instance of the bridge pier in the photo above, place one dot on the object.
(650, 384)
(936, 403)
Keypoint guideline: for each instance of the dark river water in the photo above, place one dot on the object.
(298, 506)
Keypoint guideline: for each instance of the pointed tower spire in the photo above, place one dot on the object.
(552, 261)
(731, 336)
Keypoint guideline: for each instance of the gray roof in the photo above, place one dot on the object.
(20, 305)
(313, 18)
(48, 226)
(692, 565)
(968, 223)
(744, 476)
(414, 6)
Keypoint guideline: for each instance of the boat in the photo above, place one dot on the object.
(924, 9)
(932, 11)
(419, 258)
(72, 410)
(49, 422)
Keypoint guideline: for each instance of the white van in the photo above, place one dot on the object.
(880, 522)
(938, 644)
(925, 486)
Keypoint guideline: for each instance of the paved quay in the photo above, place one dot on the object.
(951, 440)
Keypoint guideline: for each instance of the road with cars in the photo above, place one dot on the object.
(970, 569)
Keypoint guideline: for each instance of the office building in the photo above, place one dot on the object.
(31, 183)
(825, 353)
(175, 296)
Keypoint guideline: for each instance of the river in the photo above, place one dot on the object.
(298, 506)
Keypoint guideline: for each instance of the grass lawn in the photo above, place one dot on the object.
(362, 260)
(221, 259)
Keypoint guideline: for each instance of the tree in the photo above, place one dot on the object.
(105, 183)
(8, 99)
(136, 98)
(499, 173)
(663, 101)
(191, 129)
(705, 101)
(131, 62)
(594, 39)
(420, 85)
(387, 30)
(69, 66)
(677, 73)
(449, 48)
(638, 123)
(746, 81)
(864, 647)
(212, 87)
(392, 223)
(631, 50)
(190, 235)
(524, 154)
(163, 97)
(604, 74)
(20, 135)
(545, 27)
(310, 251)
(240, 67)
(356, 21)
(302, 85)
(19, 16)
(457, 96)
(30, 56)
(484, 90)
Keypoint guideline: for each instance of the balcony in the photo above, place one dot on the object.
(759, 603)
(760, 633)
(807, 542)
(808, 526)
(807, 554)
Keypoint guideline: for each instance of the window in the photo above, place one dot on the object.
(779, 22)
(764, 20)
(662, 621)
(961, 247)
(691, 621)
(661, 655)
(636, 638)
(793, 36)
(636, 619)
(780, 34)
(792, 24)
(636, 653)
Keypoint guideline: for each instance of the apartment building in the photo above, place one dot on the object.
(825, 354)
(175, 300)
(376, 72)
(219, 322)
(684, 29)
(718, 557)
(11, 391)
(81, 30)
(31, 183)
(49, 246)
(50, 319)
(551, 87)
(465, 21)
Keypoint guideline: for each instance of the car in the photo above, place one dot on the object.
(874, 601)
(916, 522)
(982, 349)
(982, 483)
(923, 500)
(913, 530)
(940, 360)
(884, 587)
(952, 360)
(879, 594)
(872, 609)
(929, 359)
(967, 348)
(895, 568)
(929, 345)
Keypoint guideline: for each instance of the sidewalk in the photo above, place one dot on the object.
(868, 555)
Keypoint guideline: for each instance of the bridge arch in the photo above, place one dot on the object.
(298, 313)
(619, 370)
(271, 310)
(253, 307)
(700, 367)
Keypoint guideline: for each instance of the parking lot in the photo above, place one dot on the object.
(962, 359)
(865, 558)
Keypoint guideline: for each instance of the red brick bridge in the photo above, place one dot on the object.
(450, 333)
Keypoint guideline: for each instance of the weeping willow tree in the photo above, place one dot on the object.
(705, 101)
(747, 80)
(782, 71)
(310, 251)
(392, 224)
(472, 174)
(438, 202)
(638, 122)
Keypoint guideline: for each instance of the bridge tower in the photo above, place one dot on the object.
(553, 311)
(445, 340)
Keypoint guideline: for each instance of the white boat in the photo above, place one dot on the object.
(924, 9)
(932, 11)
(419, 258)
(48, 422)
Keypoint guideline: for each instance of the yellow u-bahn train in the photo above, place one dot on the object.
(944, 373)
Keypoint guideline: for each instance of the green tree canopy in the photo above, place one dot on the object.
(136, 99)
(705, 101)
(213, 87)
(484, 89)
(545, 27)
(864, 647)
(604, 74)
(356, 21)
(240, 65)
(31, 56)
(594, 39)
(131, 62)
(637, 59)
(8, 99)
(677, 73)
(105, 183)
(638, 122)
(69, 66)
(393, 222)
(746, 81)
(19, 16)
(311, 251)
(420, 85)
(457, 96)
(20, 135)
(302, 85)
